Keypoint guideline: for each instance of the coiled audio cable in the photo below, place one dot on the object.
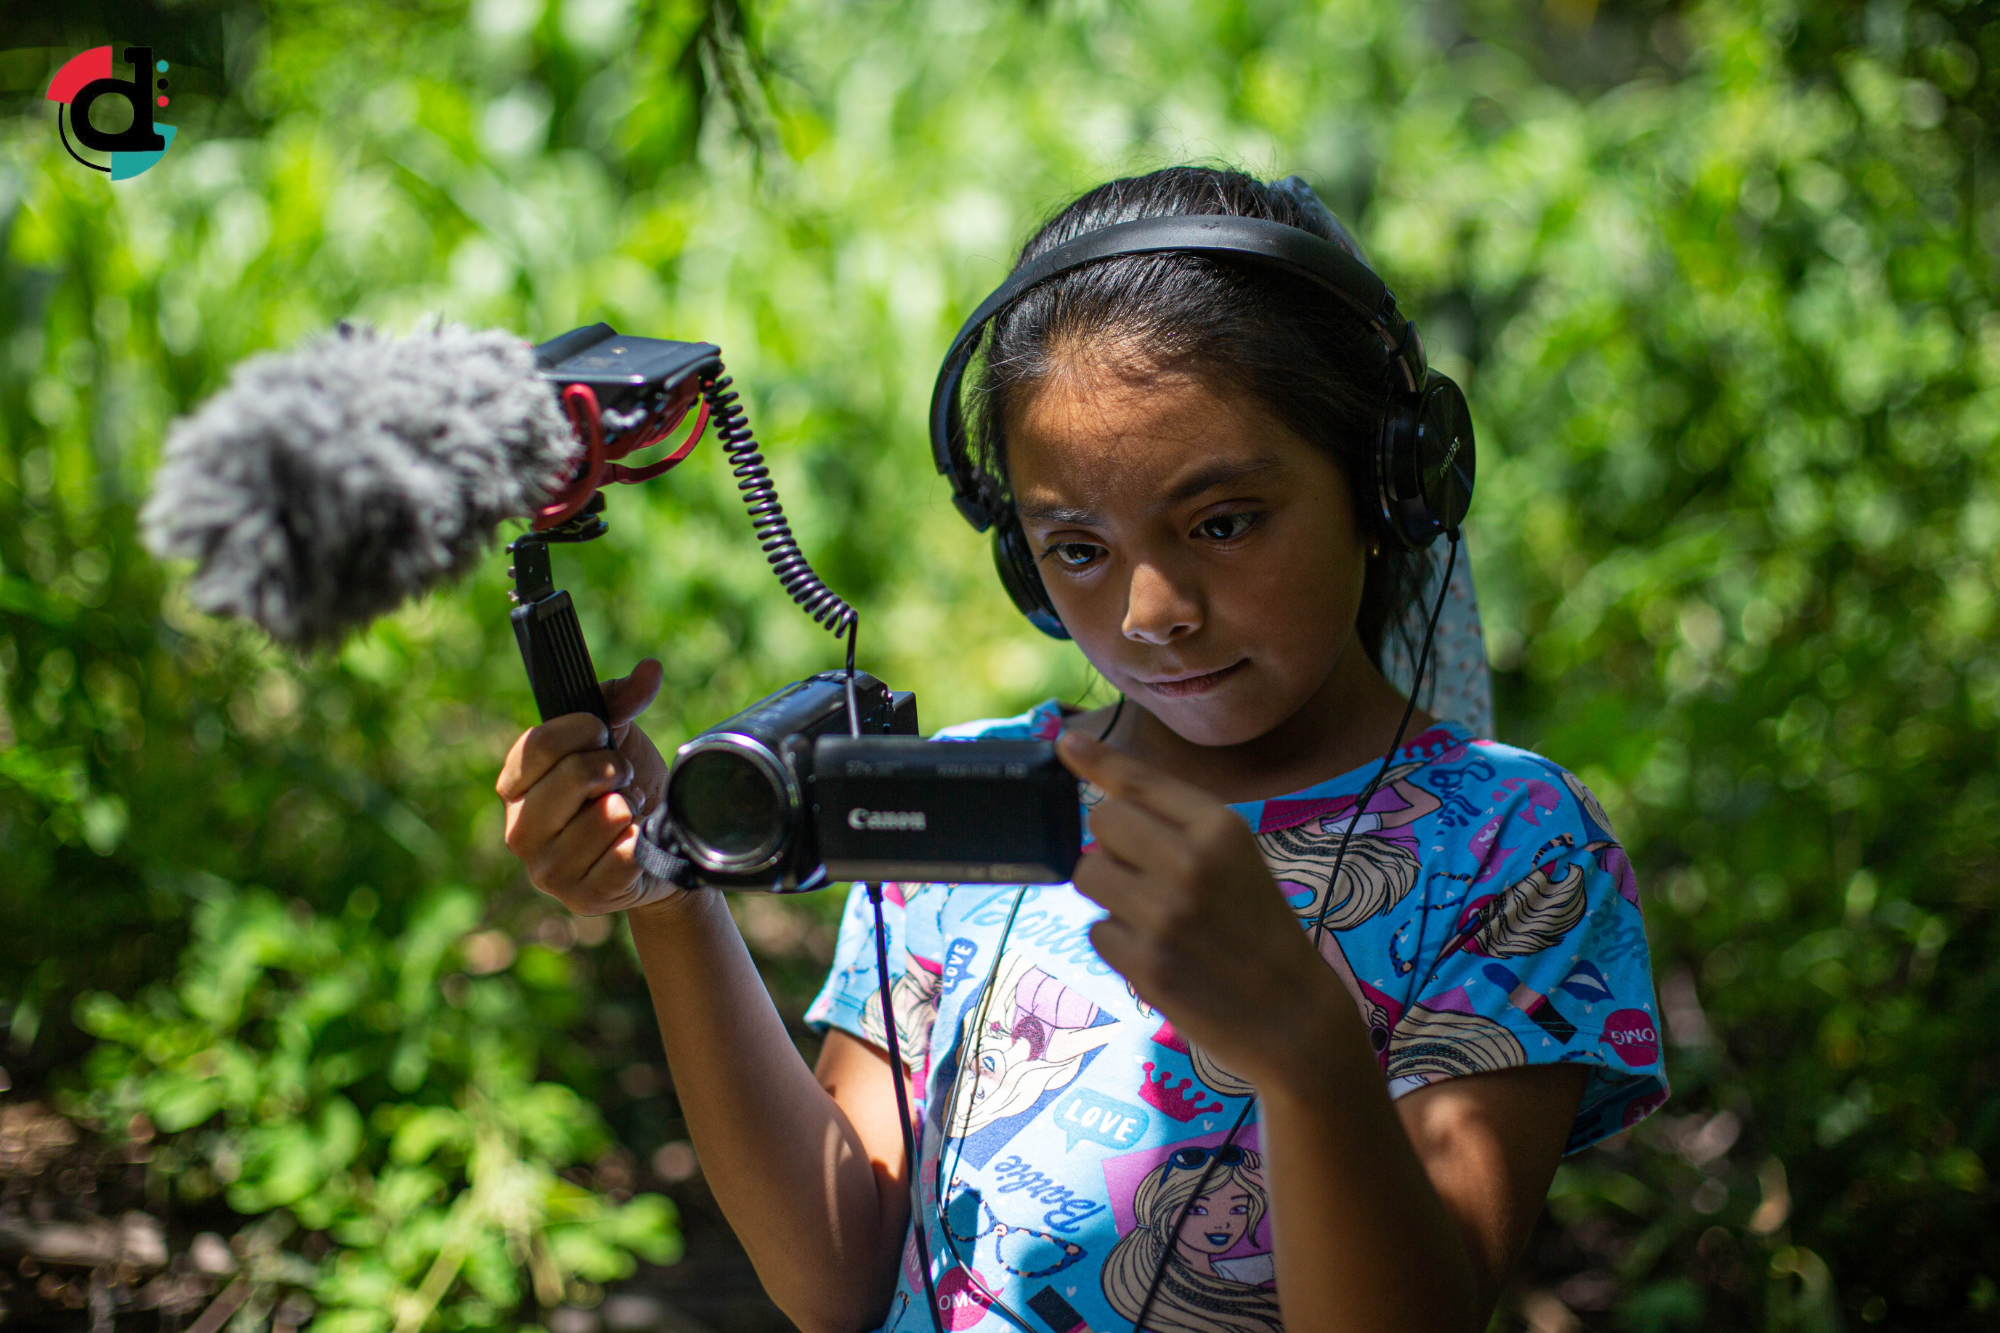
(656, 851)
(767, 516)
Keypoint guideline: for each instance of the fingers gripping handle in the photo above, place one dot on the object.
(564, 680)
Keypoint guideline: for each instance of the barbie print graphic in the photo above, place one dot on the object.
(1219, 1268)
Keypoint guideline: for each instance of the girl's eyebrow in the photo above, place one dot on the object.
(1219, 473)
(1082, 518)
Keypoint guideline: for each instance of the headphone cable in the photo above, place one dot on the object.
(978, 1041)
(910, 1139)
(1409, 708)
(979, 1022)
(891, 1038)
(1318, 929)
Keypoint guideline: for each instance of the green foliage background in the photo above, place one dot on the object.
(1719, 280)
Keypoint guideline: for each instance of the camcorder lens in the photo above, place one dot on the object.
(728, 803)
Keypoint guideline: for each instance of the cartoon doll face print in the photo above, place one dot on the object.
(990, 1074)
(1036, 1036)
(1198, 1290)
(1218, 1221)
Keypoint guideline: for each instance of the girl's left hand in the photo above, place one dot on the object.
(1197, 924)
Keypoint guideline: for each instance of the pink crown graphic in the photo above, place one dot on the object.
(1180, 1100)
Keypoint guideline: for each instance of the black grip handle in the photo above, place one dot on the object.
(559, 667)
(557, 659)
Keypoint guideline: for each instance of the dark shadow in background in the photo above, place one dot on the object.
(210, 48)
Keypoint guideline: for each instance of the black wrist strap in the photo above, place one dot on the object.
(657, 854)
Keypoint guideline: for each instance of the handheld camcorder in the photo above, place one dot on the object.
(824, 780)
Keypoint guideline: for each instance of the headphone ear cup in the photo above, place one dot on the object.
(1444, 434)
(1426, 463)
(1023, 582)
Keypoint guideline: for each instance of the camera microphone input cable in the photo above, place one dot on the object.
(897, 1076)
(828, 609)
(972, 1060)
(767, 516)
(656, 852)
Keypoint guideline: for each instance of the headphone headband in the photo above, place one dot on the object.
(1264, 243)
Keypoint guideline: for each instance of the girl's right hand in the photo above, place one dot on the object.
(575, 795)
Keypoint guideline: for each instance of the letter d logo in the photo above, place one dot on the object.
(139, 136)
(88, 77)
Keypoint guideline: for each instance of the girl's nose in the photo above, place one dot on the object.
(1158, 611)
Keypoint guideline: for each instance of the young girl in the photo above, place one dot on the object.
(1149, 1098)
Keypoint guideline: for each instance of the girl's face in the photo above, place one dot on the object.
(1205, 558)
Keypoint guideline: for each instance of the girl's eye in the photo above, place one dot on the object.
(1074, 555)
(1226, 527)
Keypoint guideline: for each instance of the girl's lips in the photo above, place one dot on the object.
(1189, 686)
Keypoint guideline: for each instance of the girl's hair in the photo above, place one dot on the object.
(1281, 341)
(1189, 1301)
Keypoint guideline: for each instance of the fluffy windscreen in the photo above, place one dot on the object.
(327, 484)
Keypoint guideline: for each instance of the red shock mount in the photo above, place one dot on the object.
(600, 465)
(552, 647)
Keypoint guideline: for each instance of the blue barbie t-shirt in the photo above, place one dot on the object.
(1484, 918)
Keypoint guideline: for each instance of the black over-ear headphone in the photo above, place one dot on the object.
(1423, 453)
